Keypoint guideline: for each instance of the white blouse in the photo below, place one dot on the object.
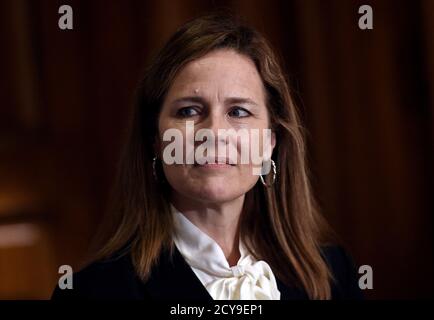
(248, 280)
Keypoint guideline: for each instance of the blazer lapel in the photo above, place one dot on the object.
(173, 279)
(290, 293)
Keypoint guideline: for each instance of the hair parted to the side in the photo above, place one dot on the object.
(280, 225)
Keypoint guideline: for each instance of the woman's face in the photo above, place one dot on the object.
(221, 90)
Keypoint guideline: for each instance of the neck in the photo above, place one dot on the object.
(220, 221)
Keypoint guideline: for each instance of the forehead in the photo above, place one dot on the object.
(225, 71)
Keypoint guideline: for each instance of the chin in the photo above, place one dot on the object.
(216, 193)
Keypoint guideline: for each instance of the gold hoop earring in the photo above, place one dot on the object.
(273, 165)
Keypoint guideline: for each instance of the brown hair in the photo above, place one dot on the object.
(281, 224)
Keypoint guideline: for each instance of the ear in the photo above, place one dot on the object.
(273, 140)
(270, 147)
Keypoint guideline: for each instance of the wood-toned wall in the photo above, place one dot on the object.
(366, 98)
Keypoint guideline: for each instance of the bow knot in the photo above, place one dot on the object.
(251, 282)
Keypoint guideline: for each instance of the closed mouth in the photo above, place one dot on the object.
(215, 162)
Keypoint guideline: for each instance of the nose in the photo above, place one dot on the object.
(216, 120)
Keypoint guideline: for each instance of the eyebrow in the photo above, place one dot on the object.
(230, 100)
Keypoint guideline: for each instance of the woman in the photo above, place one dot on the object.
(213, 228)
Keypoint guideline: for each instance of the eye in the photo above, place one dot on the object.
(187, 112)
(239, 112)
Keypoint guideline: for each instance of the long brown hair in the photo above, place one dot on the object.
(280, 224)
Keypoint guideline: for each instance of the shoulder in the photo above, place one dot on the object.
(113, 278)
(343, 270)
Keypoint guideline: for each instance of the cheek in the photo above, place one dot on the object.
(247, 176)
(175, 146)
(258, 127)
(182, 181)
(176, 174)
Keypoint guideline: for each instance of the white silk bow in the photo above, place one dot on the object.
(247, 280)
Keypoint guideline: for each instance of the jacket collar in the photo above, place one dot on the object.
(173, 279)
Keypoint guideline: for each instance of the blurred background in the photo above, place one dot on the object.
(366, 98)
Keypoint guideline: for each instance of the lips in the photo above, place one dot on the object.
(214, 161)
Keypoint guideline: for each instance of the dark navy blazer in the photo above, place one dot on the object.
(175, 280)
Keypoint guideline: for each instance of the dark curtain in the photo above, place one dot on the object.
(366, 98)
